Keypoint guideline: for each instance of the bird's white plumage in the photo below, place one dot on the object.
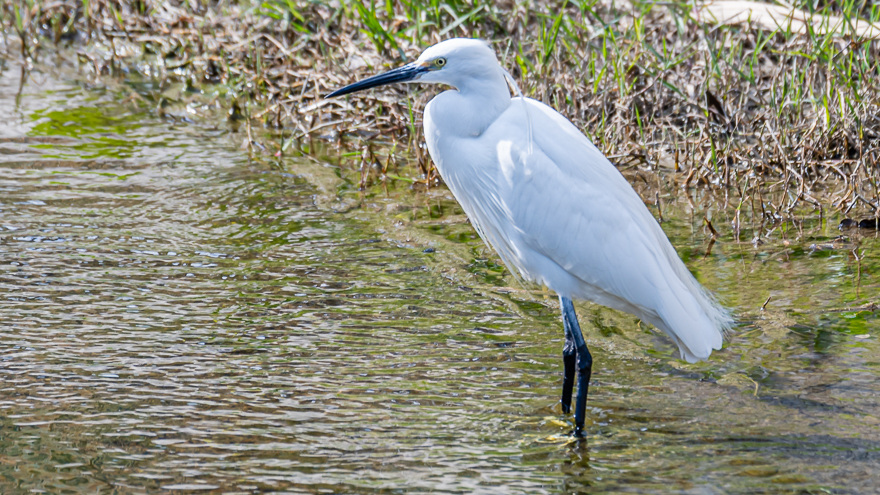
(552, 206)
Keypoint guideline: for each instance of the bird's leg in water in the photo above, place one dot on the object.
(584, 364)
(569, 358)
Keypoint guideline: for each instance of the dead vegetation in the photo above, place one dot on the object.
(788, 117)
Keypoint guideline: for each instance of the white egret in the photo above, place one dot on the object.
(553, 207)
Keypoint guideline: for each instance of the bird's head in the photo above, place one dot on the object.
(451, 62)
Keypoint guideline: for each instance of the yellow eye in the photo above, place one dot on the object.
(440, 62)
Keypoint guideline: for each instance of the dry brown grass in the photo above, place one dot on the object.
(788, 120)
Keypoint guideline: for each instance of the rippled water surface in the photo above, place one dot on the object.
(175, 316)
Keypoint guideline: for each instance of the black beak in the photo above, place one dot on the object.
(405, 73)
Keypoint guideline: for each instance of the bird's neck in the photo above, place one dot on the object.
(475, 105)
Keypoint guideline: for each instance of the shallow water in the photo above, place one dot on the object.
(178, 317)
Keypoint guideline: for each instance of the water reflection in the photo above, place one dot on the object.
(176, 317)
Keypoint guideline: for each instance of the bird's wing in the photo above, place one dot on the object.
(571, 208)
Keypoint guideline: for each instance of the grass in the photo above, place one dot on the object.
(659, 86)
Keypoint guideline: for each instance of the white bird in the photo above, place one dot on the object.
(553, 207)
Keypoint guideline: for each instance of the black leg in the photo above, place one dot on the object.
(584, 364)
(569, 358)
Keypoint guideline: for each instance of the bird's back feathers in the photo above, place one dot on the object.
(559, 213)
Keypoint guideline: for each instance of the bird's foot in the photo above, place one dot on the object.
(566, 408)
(578, 432)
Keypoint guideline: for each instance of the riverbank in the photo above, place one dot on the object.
(787, 117)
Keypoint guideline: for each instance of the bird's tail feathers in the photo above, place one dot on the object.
(696, 337)
(696, 322)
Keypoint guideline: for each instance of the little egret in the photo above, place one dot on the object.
(554, 208)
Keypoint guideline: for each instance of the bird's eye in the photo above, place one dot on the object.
(440, 62)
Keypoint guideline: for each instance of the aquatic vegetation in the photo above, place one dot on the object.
(787, 116)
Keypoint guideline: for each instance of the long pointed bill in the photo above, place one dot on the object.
(405, 73)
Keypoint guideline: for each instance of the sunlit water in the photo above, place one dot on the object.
(177, 317)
